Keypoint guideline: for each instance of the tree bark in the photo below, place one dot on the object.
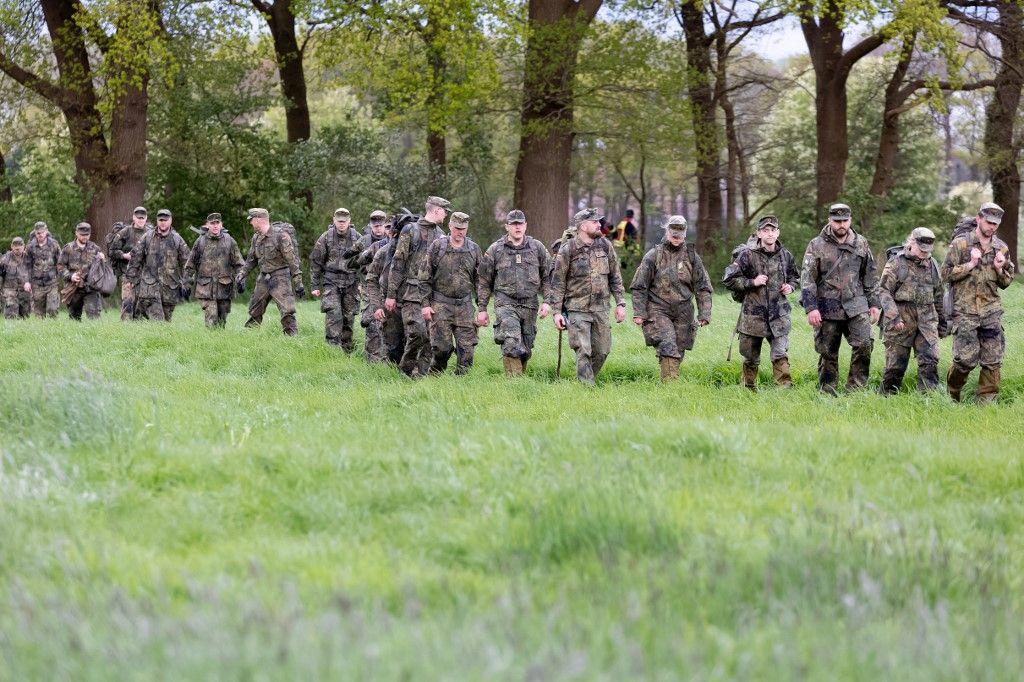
(437, 139)
(546, 136)
(6, 196)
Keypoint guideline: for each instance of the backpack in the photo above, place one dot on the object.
(101, 277)
(738, 296)
(111, 241)
(963, 228)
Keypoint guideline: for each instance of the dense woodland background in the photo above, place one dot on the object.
(909, 111)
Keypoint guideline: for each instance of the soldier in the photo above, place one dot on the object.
(73, 267)
(211, 269)
(664, 286)
(585, 276)
(840, 294)
(126, 239)
(14, 275)
(376, 224)
(977, 265)
(331, 273)
(764, 274)
(280, 277)
(360, 255)
(515, 270)
(403, 284)
(448, 285)
(392, 335)
(42, 252)
(910, 292)
(156, 268)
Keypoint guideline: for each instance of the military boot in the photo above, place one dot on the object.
(669, 369)
(780, 372)
(891, 382)
(988, 385)
(860, 365)
(523, 361)
(513, 366)
(750, 377)
(927, 377)
(955, 380)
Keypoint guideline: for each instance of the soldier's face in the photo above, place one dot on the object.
(259, 224)
(18, 250)
(163, 224)
(41, 236)
(675, 237)
(436, 214)
(840, 226)
(139, 220)
(769, 234)
(378, 229)
(214, 226)
(458, 234)
(81, 238)
(591, 228)
(515, 231)
(987, 227)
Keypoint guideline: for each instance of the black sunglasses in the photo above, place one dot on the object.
(927, 241)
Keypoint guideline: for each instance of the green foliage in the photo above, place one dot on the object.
(43, 189)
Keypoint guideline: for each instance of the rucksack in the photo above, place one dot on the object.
(738, 296)
(101, 277)
(964, 227)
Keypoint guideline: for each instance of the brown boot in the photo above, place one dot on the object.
(669, 369)
(750, 377)
(988, 385)
(513, 366)
(955, 380)
(780, 372)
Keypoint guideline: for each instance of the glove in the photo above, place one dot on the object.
(300, 291)
(240, 283)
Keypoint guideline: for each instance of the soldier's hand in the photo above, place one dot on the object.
(76, 278)
(482, 320)
(316, 293)
(128, 256)
(428, 313)
(300, 291)
(638, 321)
(814, 318)
(875, 312)
(975, 255)
(240, 284)
(620, 314)
(389, 304)
(378, 314)
(544, 310)
(761, 280)
(786, 289)
(28, 287)
(703, 323)
(559, 321)
(999, 260)
(102, 257)
(898, 326)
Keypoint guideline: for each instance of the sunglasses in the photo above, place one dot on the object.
(927, 241)
(162, 220)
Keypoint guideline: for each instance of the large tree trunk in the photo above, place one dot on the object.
(6, 196)
(556, 28)
(1001, 149)
(437, 143)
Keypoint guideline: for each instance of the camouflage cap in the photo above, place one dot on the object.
(378, 216)
(767, 220)
(83, 228)
(515, 216)
(259, 213)
(39, 226)
(992, 212)
(459, 220)
(140, 210)
(163, 213)
(839, 212)
(439, 201)
(17, 241)
(342, 213)
(924, 237)
(676, 223)
(214, 218)
(585, 215)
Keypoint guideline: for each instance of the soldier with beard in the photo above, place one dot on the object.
(211, 270)
(121, 245)
(42, 252)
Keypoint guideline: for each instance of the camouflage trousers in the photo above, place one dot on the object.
(515, 329)
(978, 341)
(392, 337)
(90, 302)
(827, 339)
(45, 300)
(670, 332)
(17, 303)
(215, 311)
(921, 334)
(417, 355)
(373, 342)
(127, 301)
(156, 309)
(339, 304)
(276, 286)
(750, 348)
(590, 336)
(453, 321)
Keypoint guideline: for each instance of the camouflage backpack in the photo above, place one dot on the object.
(964, 227)
(108, 245)
(737, 295)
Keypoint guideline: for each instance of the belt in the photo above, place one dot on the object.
(441, 298)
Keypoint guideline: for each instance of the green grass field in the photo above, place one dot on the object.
(177, 503)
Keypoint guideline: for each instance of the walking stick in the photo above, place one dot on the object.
(735, 331)
(558, 365)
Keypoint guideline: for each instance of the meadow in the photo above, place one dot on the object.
(181, 503)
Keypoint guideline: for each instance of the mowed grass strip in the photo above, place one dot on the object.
(179, 502)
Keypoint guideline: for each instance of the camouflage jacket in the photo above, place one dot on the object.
(74, 258)
(450, 273)
(586, 276)
(908, 282)
(14, 272)
(512, 274)
(212, 266)
(354, 252)
(157, 265)
(838, 280)
(271, 252)
(328, 263)
(42, 261)
(976, 290)
(766, 310)
(669, 277)
(403, 279)
(376, 275)
(126, 239)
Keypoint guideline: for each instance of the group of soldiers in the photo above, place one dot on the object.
(421, 294)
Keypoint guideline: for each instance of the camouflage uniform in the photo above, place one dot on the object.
(583, 280)
(447, 284)
(75, 258)
(404, 287)
(121, 246)
(977, 324)
(910, 290)
(329, 271)
(14, 274)
(516, 276)
(210, 272)
(765, 311)
(42, 265)
(360, 255)
(840, 281)
(279, 277)
(155, 271)
(392, 334)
